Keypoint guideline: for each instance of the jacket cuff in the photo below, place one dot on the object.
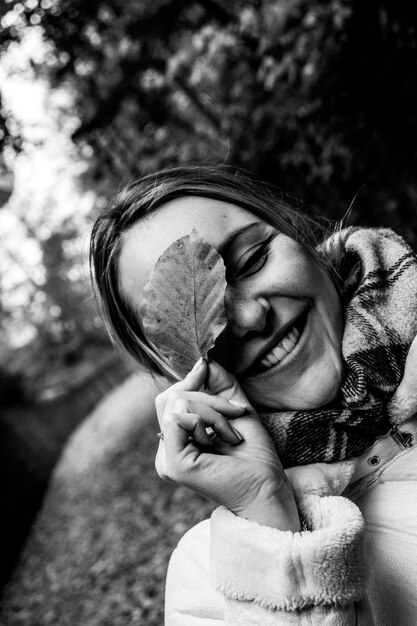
(291, 571)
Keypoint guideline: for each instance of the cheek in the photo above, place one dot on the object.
(331, 314)
(328, 302)
(291, 268)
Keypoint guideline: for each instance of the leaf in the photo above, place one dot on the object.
(183, 308)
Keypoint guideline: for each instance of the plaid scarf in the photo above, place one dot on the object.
(378, 286)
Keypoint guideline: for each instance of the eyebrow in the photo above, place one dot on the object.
(230, 240)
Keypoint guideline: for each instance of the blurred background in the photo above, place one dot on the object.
(316, 96)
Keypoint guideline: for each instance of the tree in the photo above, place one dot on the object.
(45, 302)
(318, 97)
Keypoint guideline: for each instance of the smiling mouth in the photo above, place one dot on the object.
(279, 353)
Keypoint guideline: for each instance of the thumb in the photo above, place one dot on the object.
(410, 374)
(322, 479)
(403, 404)
(223, 383)
(195, 378)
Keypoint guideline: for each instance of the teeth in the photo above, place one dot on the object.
(279, 352)
(287, 343)
(294, 334)
(285, 346)
(268, 361)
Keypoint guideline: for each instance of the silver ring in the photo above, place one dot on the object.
(160, 435)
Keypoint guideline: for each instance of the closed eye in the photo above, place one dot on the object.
(252, 261)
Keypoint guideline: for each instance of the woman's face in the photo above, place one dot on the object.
(285, 323)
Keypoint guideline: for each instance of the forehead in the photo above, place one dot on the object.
(145, 241)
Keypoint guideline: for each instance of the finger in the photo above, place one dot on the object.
(230, 408)
(403, 403)
(192, 382)
(218, 423)
(200, 434)
(195, 379)
(181, 424)
(220, 381)
(209, 418)
(192, 422)
(193, 425)
(190, 425)
(170, 456)
(321, 478)
(178, 429)
(160, 460)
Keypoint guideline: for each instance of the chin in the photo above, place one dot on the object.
(315, 400)
(312, 391)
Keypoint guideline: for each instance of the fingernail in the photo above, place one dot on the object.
(237, 433)
(241, 405)
(198, 364)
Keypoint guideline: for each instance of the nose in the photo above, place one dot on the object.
(246, 314)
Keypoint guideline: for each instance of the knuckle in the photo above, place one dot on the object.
(174, 395)
(219, 401)
(216, 401)
(162, 472)
(175, 401)
(171, 394)
(160, 401)
(175, 417)
(172, 473)
(180, 405)
(189, 468)
(198, 425)
(224, 405)
(220, 421)
(199, 422)
(170, 418)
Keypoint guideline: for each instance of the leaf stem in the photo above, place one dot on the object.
(206, 361)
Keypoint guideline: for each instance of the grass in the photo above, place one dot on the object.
(99, 550)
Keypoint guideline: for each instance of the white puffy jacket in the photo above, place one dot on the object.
(356, 565)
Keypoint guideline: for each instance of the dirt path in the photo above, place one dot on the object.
(98, 552)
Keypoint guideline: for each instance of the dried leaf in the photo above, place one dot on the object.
(183, 308)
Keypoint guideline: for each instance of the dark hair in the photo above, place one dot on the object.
(144, 196)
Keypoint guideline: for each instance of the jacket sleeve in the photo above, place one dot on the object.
(237, 572)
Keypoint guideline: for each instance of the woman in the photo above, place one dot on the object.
(310, 372)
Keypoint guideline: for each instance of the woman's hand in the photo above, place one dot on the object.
(237, 468)
(403, 404)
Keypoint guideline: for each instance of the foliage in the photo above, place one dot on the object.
(318, 97)
(9, 137)
(45, 306)
(45, 302)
